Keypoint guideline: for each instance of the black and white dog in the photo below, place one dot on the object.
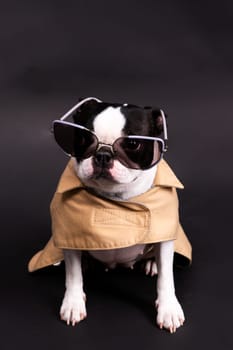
(119, 178)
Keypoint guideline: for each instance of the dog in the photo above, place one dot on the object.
(104, 168)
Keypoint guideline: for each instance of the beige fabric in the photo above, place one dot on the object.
(81, 220)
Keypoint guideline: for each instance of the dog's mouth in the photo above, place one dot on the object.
(102, 173)
(101, 176)
(105, 175)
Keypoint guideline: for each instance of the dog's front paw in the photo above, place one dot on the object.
(170, 314)
(73, 309)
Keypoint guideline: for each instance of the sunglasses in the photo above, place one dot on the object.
(134, 152)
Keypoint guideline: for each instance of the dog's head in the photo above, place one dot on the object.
(116, 146)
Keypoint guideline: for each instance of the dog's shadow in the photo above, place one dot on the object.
(123, 286)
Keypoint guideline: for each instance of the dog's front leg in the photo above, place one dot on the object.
(170, 314)
(73, 308)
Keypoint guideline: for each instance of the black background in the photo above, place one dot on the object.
(177, 55)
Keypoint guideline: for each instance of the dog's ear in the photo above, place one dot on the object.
(157, 119)
(90, 104)
(86, 109)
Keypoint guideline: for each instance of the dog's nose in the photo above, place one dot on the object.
(104, 158)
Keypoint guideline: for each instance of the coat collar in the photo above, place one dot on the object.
(165, 177)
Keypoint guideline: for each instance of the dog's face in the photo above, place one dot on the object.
(102, 170)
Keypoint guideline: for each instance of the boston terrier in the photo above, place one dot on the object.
(116, 157)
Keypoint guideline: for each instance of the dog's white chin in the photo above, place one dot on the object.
(122, 182)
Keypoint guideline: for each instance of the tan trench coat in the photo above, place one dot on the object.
(82, 220)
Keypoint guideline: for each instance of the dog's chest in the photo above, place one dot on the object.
(123, 256)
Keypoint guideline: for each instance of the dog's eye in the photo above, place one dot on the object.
(132, 145)
(80, 140)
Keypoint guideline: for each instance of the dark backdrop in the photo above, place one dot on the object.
(173, 54)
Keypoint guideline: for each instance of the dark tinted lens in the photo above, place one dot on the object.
(77, 142)
(138, 153)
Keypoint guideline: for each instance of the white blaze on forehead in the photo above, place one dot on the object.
(108, 125)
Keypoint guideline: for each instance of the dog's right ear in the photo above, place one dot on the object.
(90, 104)
(87, 109)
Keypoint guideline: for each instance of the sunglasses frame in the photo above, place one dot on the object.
(73, 109)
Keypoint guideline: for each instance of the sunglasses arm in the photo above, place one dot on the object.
(164, 130)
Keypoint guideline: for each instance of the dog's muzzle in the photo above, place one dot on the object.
(103, 158)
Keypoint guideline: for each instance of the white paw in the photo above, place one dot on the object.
(73, 309)
(170, 314)
(151, 268)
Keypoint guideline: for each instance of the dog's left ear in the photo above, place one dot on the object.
(157, 119)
